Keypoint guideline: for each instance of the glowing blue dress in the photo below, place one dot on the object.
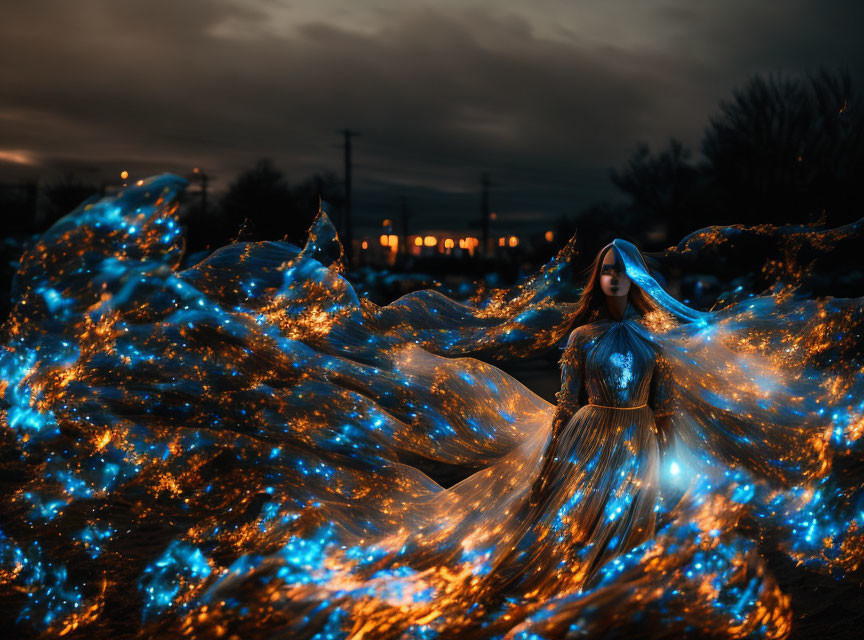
(238, 448)
(616, 383)
(596, 493)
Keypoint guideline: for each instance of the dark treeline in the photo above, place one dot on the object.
(782, 149)
(261, 204)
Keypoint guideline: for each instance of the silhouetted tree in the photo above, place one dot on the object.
(664, 188)
(18, 207)
(783, 150)
(64, 195)
(259, 202)
(788, 149)
(601, 223)
(19, 222)
(326, 186)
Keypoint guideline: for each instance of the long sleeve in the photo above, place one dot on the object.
(569, 396)
(662, 399)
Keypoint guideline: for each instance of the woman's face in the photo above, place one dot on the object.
(613, 280)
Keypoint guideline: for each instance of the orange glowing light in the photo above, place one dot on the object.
(17, 156)
(124, 174)
(550, 236)
(502, 242)
(140, 182)
(387, 222)
(103, 440)
(418, 241)
(514, 241)
(393, 241)
(430, 241)
(448, 243)
(383, 240)
(365, 245)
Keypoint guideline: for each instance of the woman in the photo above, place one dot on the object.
(613, 407)
(232, 440)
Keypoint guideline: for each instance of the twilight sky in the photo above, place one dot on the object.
(545, 95)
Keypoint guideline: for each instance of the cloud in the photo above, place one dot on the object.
(17, 156)
(545, 99)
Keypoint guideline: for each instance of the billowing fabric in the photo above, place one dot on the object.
(240, 449)
(598, 486)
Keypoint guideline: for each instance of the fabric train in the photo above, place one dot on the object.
(243, 448)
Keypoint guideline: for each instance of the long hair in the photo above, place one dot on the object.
(592, 298)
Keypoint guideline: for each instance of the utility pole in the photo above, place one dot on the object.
(484, 212)
(347, 223)
(204, 179)
(319, 188)
(404, 242)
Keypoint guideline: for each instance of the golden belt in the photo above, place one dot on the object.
(603, 406)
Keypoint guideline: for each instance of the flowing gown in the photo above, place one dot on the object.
(571, 497)
(237, 449)
(598, 487)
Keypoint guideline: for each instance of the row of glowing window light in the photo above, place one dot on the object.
(391, 241)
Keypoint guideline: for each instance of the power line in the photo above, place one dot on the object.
(348, 231)
(405, 215)
(484, 213)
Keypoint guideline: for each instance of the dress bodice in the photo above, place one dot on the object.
(618, 367)
(610, 364)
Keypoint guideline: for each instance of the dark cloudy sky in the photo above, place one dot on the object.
(545, 95)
